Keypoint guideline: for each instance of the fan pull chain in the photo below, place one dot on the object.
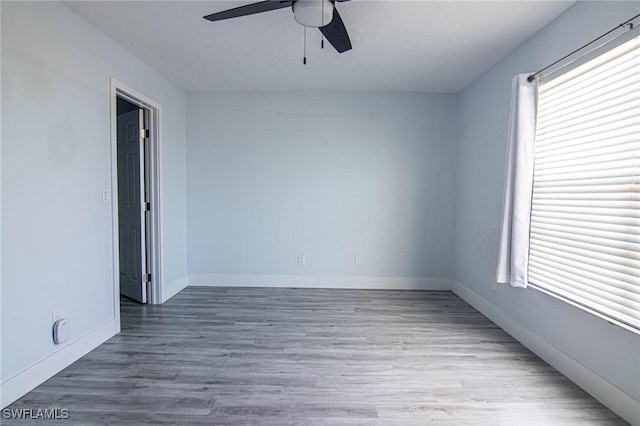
(304, 58)
(322, 20)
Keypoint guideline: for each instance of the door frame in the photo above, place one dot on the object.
(153, 174)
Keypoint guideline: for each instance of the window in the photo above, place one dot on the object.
(585, 211)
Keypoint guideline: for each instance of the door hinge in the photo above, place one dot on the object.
(146, 278)
(144, 133)
(146, 206)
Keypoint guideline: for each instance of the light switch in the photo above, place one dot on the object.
(105, 196)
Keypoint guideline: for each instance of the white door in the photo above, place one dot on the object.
(131, 205)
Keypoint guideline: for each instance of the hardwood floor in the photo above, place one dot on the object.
(237, 356)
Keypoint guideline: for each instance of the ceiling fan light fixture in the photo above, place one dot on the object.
(313, 13)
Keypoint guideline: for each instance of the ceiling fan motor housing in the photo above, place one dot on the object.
(313, 13)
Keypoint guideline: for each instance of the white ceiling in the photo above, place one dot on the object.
(414, 46)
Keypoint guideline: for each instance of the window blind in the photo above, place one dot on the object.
(585, 216)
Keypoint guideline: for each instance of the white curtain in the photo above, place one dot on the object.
(513, 254)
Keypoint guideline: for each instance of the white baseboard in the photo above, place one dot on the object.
(615, 399)
(27, 380)
(319, 281)
(173, 288)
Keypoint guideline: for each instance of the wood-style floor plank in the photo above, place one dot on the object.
(239, 356)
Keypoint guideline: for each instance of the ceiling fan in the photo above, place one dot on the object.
(320, 14)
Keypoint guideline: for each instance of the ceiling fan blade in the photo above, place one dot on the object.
(336, 33)
(249, 9)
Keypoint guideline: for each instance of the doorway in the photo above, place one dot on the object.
(132, 163)
(135, 183)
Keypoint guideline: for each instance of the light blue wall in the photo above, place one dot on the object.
(329, 175)
(57, 245)
(607, 350)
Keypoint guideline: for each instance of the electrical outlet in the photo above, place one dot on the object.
(301, 260)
